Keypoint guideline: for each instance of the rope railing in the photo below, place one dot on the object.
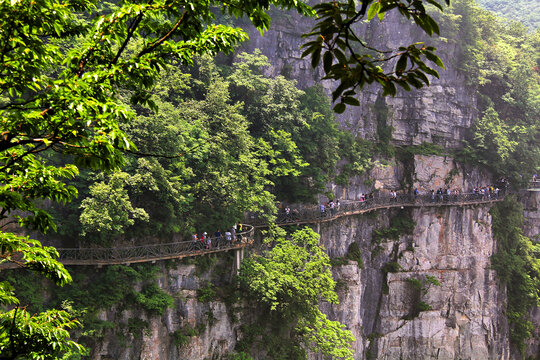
(313, 214)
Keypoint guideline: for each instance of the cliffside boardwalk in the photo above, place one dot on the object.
(311, 215)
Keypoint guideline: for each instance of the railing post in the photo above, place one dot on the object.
(237, 260)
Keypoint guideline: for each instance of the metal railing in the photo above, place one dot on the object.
(176, 250)
(153, 252)
(535, 184)
(313, 214)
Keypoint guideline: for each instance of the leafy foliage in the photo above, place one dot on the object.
(206, 293)
(354, 253)
(40, 336)
(517, 263)
(401, 224)
(335, 41)
(63, 66)
(108, 210)
(113, 287)
(419, 288)
(292, 279)
(182, 337)
(500, 60)
(243, 139)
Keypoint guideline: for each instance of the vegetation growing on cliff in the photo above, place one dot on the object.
(419, 287)
(291, 280)
(113, 287)
(517, 262)
(500, 59)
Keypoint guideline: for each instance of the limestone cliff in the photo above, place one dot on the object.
(438, 114)
(464, 318)
(390, 315)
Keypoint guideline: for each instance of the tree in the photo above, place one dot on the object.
(60, 79)
(291, 279)
(347, 58)
(108, 210)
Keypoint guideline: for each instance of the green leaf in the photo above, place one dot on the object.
(373, 10)
(350, 101)
(434, 58)
(316, 57)
(401, 64)
(327, 61)
(339, 108)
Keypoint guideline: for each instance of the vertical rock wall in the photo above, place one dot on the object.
(439, 114)
(464, 319)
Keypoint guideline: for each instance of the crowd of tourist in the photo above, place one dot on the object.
(441, 194)
(204, 241)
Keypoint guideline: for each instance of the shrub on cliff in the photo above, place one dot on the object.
(291, 280)
(517, 263)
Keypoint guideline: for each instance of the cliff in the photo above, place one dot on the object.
(390, 304)
(431, 293)
(440, 113)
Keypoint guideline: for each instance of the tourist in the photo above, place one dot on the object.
(217, 235)
(332, 207)
(323, 210)
(203, 240)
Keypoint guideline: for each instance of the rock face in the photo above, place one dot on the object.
(439, 114)
(192, 329)
(531, 201)
(462, 317)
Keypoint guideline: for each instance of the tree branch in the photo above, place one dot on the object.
(156, 43)
(129, 35)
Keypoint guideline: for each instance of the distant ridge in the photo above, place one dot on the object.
(524, 11)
